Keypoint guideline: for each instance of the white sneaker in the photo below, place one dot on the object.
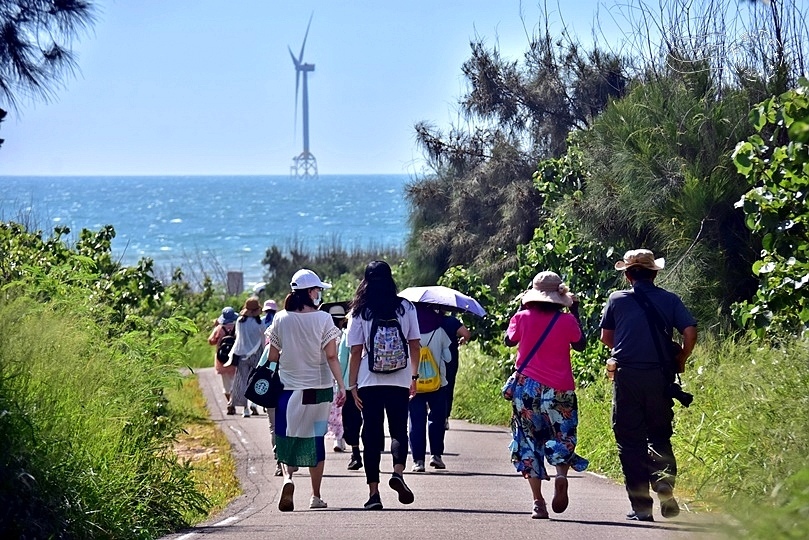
(246, 412)
(418, 466)
(339, 445)
(317, 502)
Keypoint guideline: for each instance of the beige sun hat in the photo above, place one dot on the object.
(548, 287)
(640, 257)
(251, 308)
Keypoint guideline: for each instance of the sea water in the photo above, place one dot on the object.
(224, 221)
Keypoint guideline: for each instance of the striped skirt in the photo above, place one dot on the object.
(301, 422)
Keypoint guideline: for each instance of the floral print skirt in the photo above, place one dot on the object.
(543, 425)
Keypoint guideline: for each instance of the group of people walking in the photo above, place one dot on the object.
(364, 362)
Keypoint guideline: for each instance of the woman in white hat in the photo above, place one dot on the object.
(545, 411)
(303, 341)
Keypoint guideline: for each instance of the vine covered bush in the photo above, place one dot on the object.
(776, 162)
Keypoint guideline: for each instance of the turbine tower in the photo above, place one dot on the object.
(303, 165)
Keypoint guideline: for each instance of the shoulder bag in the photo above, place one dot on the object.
(511, 383)
(264, 384)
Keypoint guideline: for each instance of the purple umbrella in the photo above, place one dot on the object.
(444, 296)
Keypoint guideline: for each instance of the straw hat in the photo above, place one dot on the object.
(640, 257)
(548, 287)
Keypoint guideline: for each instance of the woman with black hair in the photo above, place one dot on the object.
(303, 343)
(383, 368)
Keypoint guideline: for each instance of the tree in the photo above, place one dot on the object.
(35, 40)
(478, 202)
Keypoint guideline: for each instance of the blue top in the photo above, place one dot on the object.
(633, 341)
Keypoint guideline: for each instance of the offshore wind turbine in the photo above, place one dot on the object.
(303, 165)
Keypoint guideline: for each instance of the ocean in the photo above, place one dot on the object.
(214, 222)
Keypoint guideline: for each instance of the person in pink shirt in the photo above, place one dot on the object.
(544, 407)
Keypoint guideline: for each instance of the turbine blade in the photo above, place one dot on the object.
(300, 58)
(294, 60)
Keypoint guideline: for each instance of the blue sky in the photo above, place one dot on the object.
(182, 87)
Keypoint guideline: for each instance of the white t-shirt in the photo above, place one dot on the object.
(359, 333)
(301, 338)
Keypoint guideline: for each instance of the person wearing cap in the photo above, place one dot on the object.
(223, 326)
(268, 312)
(246, 352)
(303, 342)
(376, 394)
(643, 412)
(544, 404)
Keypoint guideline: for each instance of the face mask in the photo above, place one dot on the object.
(318, 299)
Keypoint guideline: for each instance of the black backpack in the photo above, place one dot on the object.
(225, 345)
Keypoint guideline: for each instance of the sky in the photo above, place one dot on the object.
(204, 87)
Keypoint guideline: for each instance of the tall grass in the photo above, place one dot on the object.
(84, 427)
(742, 446)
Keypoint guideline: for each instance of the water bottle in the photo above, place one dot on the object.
(612, 365)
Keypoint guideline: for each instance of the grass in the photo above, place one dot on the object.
(742, 446)
(204, 447)
(85, 429)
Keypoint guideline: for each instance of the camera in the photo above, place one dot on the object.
(676, 391)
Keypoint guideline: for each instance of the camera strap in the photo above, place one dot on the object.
(656, 327)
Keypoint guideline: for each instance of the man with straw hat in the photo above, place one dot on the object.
(637, 325)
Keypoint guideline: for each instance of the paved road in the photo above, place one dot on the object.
(479, 495)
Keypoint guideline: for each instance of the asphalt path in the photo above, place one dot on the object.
(479, 495)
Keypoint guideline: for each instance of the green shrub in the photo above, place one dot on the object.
(84, 427)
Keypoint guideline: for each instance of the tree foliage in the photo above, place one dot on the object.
(35, 41)
(776, 161)
(478, 203)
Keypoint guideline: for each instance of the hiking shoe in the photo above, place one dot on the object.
(254, 410)
(339, 445)
(278, 470)
(231, 410)
(560, 499)
(286, 503)
(398, 485)
(668, 504)
(246, 413)
(355, 464)
(640, 516)
(539, 511)
(374, 502)
(418, 465)
(317, 502)
(437, 462)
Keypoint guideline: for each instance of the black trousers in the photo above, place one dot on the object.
(378, 402)
(642, 416)
(352, 422)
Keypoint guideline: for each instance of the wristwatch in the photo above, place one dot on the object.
(415, 377)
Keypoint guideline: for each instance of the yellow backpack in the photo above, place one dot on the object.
(429, 374)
